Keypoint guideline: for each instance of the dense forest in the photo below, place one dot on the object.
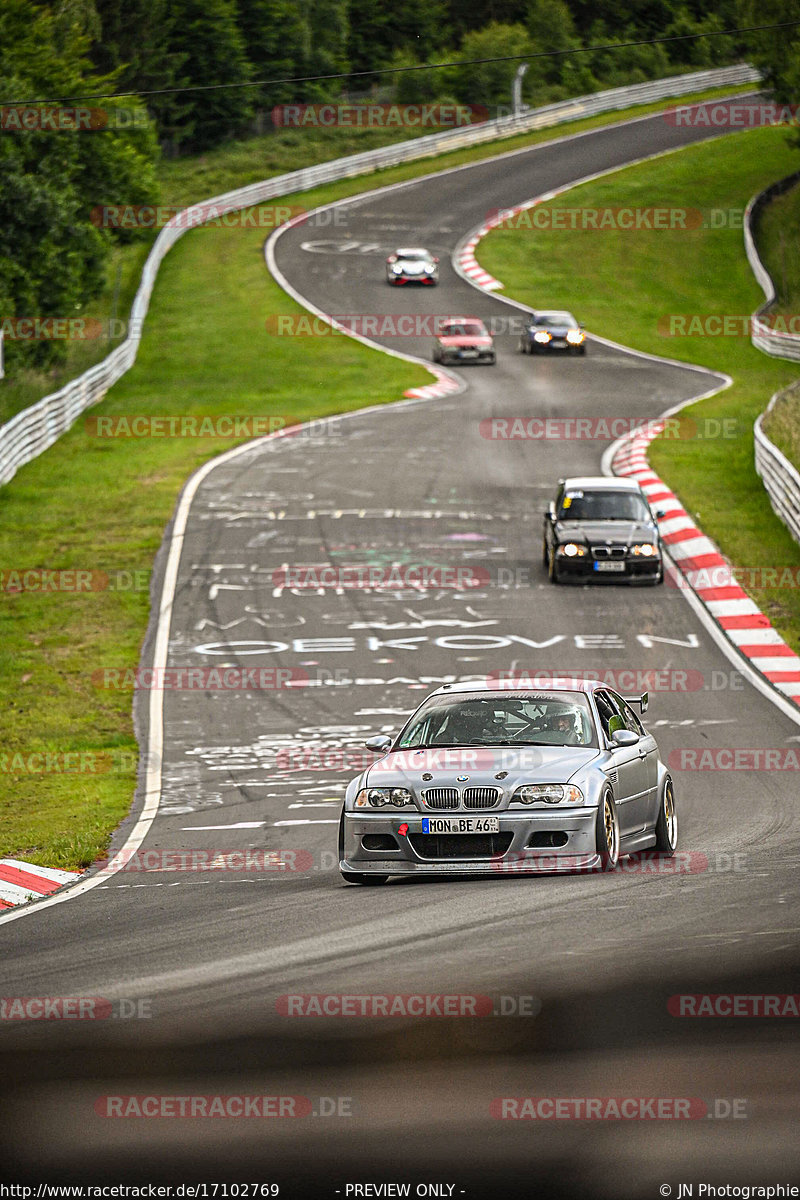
(249, 56)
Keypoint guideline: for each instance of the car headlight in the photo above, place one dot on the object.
(397, 269)
(646, 549)
(573, 550)
(575, 337)
(550, 793)
(429, 268)
(379, 797)
(541, 336)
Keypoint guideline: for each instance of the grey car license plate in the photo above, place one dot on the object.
(460, 824)
(469, 353)
(558, 342)
(609, 566)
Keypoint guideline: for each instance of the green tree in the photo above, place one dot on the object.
(206, 34)
(134, 42)
(489, 83)
(52, 256)
(776, 52)
(327, 49)
(277, 39)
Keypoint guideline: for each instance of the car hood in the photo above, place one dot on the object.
(480, 765)
(465, 340)
(412, 268)
(613, 533)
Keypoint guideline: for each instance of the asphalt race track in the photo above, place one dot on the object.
(583, 965)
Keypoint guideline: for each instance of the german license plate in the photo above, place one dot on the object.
(469, 353)
(460, 824)
(558, 342)
(609, 566)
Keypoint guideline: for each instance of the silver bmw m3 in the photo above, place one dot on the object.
(497, 776)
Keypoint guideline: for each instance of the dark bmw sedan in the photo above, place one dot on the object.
(599, 528)
(548, 332)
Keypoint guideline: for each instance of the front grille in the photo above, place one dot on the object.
(608, 551)
(460, 845)
(441, 797)
(481, 797)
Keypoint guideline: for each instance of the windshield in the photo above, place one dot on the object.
(518, 719)
(555, 318)
(603, 506)
(414, 255)
(463, 329)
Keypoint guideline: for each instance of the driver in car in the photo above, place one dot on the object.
(469, 723)
(564, 722)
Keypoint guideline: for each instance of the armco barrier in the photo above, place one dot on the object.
(34, 429)
(777, 344)
(779, 476)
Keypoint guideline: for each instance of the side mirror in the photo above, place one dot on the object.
(435, 259)
(551, 510)
(624, 737)
(660, 513)
(380, 743)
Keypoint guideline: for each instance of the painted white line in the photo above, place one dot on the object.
(237, 825)
(311, 821)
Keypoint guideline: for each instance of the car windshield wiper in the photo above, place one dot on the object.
(435, 746)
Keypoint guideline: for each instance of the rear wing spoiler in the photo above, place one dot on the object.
(642, 701)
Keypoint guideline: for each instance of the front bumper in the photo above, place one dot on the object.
(456, 355)
(414, 856)
(586, 568)
(424, 279)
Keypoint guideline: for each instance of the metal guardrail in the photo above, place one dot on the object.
(777, 343)
(779, 476)
(31, 431)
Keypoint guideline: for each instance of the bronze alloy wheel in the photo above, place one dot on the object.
(667, 823)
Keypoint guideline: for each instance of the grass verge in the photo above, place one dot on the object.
(657, 274)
